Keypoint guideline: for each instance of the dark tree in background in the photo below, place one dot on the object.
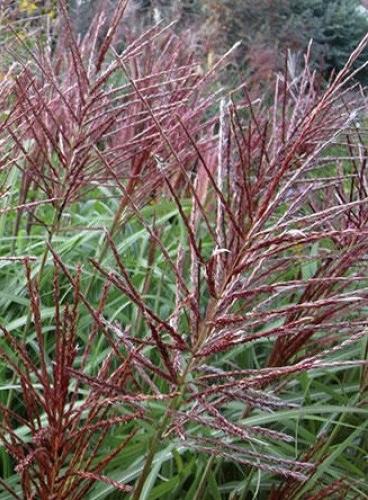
(268, 28)
(82, 12)
(336, 26)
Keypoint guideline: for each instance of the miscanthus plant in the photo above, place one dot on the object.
(183, 275)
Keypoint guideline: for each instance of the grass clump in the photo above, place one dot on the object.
(183, 300)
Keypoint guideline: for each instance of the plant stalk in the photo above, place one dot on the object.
(155, 441)
(53, 230)
(174, 405)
